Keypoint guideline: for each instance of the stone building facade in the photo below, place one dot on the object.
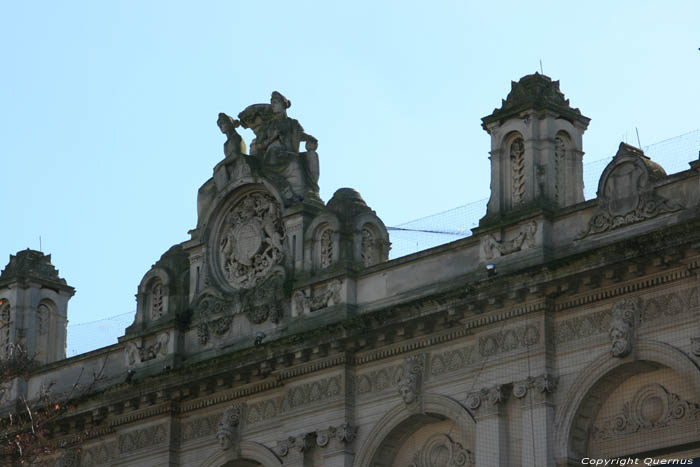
(279, 334)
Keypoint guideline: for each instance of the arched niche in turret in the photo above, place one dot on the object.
(371, 243)
(322, 242)
(162, 293)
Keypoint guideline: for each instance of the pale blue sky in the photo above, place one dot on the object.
(108, 124)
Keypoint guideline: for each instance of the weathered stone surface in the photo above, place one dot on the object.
(280, 334)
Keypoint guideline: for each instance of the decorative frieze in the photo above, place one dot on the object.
(199, 427)
(377, 380)
(97, 455)
(509, 340)
(149, 437)
(452, 360)
(295, 398)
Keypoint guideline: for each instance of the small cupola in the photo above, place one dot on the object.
(536, 150)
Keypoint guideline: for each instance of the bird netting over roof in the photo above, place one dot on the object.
(673, 154)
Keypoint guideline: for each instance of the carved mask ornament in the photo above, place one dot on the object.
(622, 328)
(409, 384)
(227, 432)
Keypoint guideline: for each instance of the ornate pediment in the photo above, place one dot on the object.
(627, 193)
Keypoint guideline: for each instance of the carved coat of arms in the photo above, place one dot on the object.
(250, 240)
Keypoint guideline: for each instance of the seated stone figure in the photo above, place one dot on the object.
(234, 148)
(276, 145)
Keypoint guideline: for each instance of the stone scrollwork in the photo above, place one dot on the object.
(625, 317)
(652, 407)
(250, 240)
(410, 383)
(441, 450)
(495, 248)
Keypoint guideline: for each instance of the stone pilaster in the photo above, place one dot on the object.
(535, 395)
(487, 406)
(336, 444)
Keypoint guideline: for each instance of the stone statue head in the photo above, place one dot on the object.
(226, 124)
(227, 431)
(279, 103)
(409, 383)
(622, 327)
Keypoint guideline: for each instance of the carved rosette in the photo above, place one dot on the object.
(249, 241)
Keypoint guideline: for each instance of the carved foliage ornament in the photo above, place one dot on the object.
(250, 240)
(441, 451)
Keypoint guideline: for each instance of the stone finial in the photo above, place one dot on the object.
(228, 432)
(410, 383)
(623, 328)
